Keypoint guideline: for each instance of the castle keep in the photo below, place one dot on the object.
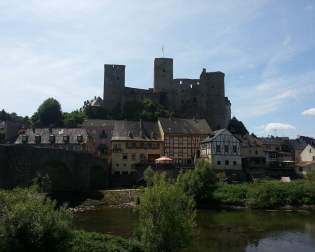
(188, 98)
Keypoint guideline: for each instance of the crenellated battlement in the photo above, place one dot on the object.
(203, 97)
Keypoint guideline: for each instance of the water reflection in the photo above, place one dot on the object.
(223, 230)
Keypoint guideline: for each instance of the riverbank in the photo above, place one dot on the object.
(299, 194)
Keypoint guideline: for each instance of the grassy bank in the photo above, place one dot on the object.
(31, 222)
(265, 194)
(81, 241)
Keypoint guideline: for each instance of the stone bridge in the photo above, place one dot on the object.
(64, 170)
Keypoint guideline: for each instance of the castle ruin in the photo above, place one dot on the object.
(188, 98)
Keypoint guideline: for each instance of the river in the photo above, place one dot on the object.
(253, 231)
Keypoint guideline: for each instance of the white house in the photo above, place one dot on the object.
(305, 160)
(222, 150)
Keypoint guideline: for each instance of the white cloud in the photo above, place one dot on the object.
(309, 112)
(270, 127)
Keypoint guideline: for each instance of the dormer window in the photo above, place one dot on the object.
(52, 139)
(66, 139)
(24, 139)
(80, 138)
(38, 139)
(103, 134)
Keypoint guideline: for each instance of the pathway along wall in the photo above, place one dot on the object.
(56, 170)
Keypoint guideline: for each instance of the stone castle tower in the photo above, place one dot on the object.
(188, 98)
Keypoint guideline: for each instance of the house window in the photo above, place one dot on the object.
(37, 139)
(133, 157)
(234, 149)
(218, 162)
(310, 150)
(313, 158)
(234, 163)
(24, 139)
(256, 152)
(218, 148)
(80, 138)
(142, 157)
(226, 148)
(125, 156)
(227, 162)
(117, 165)
(66, 139)
(52, 139)
(103, 134)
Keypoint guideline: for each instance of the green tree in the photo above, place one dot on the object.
(199, 182)
(48, 114)
(148, 176)
(31, 222)
(166, 217)
(73, 119)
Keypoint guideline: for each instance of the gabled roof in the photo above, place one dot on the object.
(98, 123)
(73, 133)
(216, 133)
(185, 126)
(136, 131)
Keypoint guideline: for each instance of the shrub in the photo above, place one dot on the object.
(148, 176)
(199, 182)
(266, 195)
(166, 217)
(81, 241)
(231, 194)
(31, 222)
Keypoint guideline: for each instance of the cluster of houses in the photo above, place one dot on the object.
(175, 142)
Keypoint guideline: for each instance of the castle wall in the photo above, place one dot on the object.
(200, 98)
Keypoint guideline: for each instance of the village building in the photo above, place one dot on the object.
(100, 133)
(69, 139)
(304, 156)
(9, 131)
(222, 150)
(182, 138)
(134, 144)
(277, 150)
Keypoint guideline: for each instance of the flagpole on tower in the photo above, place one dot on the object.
(163, 51)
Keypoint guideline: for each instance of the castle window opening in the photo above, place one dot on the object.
(163, 70)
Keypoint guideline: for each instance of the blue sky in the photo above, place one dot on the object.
(57, 48)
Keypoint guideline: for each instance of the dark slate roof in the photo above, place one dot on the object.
(185, 126)
(250, 140)
(297, 144)
(216, 133)
(57, 132)
(136, 131)
(97, 123)
(308, 140)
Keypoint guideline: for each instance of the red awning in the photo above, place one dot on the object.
(164, 158)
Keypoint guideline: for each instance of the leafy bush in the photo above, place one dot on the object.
(166, 217)
(231, 194)
(148, 176)
(93, 242)
(199, 182)
(31, 222)
(266, 194)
